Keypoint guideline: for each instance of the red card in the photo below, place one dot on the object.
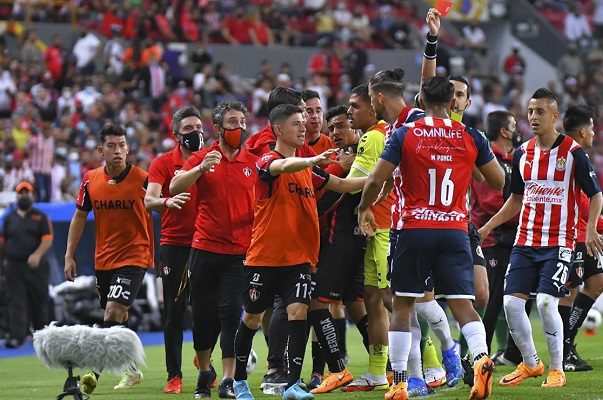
(443, 6)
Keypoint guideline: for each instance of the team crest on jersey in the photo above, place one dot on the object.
(247, 172)
(580, 271)
(254, 294)
(493, 262)
(561, 162)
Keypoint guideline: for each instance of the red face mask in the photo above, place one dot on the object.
(235, 137)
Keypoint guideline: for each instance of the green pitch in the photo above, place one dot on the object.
(26, 378)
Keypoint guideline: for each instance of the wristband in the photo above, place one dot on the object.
(164, 203)
(309, 162)
(431, 47)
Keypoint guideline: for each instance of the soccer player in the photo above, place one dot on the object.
(548, 172)
(284, 243)
(377, 293)
(224, 175)
(339, 275)
(578, 124)
(177, 227)
(124, 250)
(318, 141)
(435, 156)
(485, 202)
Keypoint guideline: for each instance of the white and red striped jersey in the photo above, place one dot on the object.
(550, 183)
(407, 115)
(435, 157)
(41, 153)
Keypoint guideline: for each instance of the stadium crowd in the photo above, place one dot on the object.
(258, 198)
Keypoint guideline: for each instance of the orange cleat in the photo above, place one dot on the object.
(174, 385)
(555, 379)
(522, 372)
(333, 381)
(397, 392)
(483, 371)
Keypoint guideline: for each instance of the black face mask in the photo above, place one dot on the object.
(192, 140)
(24, 203)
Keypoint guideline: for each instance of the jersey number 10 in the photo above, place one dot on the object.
(446, 187)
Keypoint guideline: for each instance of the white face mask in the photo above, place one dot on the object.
(90, 144)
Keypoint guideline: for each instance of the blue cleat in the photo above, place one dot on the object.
(452, 364)
(242, 391)
(417, 387)
(295, 392)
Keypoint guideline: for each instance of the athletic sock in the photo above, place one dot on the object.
(521, 329)
(580, 309)
(326, 333)
(341, 325)
(430, 357)
(565, 312)
(243, 342)
(475, 335)
(501, 331)
(318, 361)
(377, 359)
(552, 325)
(399, 350)
(296, 347)
(438, 321)
(414, 357)
(424, 332)
(362, 326)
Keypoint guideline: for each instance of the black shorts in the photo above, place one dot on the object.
(292, 283)
(583, 268)
(120, 285)
(476, 249)
(340, 273)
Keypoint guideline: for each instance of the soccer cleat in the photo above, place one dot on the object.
(390, 377)
(397, 392)
(468, 374)
(417, 387)
(452, 364)
(129, 379)
(482, 381)
(366, 384)
(174, 385)
(295, 392)
(315, 381)
(274, 383)
(333, 381)
(522, 372)
(242, 391)
(573, 362)
(499, 359)
(211, 368)
(204, 381)
(555, 379)
(225, 390)
(435, 377)
(88, 383)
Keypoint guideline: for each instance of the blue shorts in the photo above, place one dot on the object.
(425, 259)
(538, 270)
(393, 240)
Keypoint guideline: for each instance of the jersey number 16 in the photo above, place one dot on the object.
(446, 187)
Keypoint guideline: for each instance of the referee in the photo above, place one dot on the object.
(224, 175)
(177, 227)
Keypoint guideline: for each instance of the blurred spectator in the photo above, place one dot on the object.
(16, 170)
(355, 61)
(258, 30)
(514, 64)
(85, 51)
(114, 53)
(327, 63)
(56, 60)
(201, 55)
(8, 89)
(598, 18)
(473, 36)
(576, 24)
(154, 78)
(236, 28)
(31, 53)
(259, 97)
(570, 64)
(40, 149)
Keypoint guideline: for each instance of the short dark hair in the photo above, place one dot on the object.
(282, 95)
(111, 130)
(337, 110)
(461, 79)
(437, 90)
(390, 81)
(576, 117)
(362, 92)
(309, 94)
(182, 113)
(282, 112)
(225, 106)
(544, 93)
(495, 122)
